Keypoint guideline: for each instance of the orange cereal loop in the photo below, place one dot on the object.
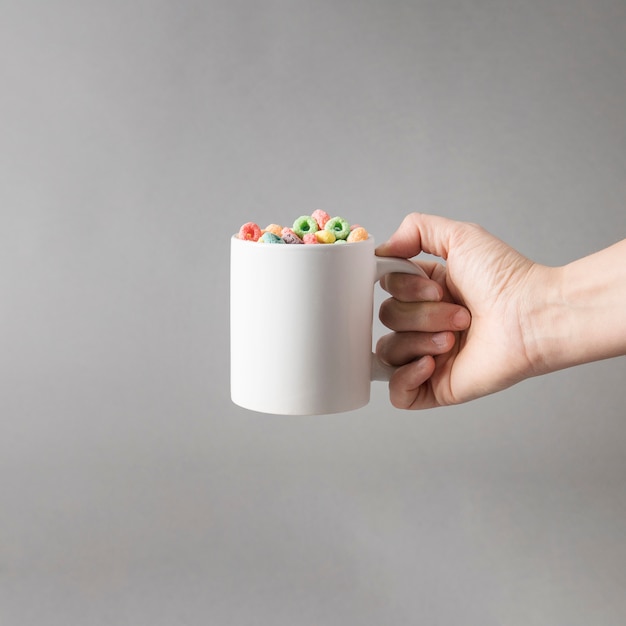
(358, 234)
(325, 236)
(273, 228)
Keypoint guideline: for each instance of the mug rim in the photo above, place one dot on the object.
(323, 246)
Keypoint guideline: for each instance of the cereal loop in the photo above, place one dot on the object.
(305, 224)
(290, 237)
(268, 237)
(321, 217)
(325, 236)
(310, 238)
(249, 232)
(273, 228)
(339, 227)
(358, 234)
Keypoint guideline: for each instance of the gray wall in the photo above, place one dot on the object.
(136, 137)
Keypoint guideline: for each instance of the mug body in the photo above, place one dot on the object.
(301, 326)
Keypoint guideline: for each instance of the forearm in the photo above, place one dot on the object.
(577, 313)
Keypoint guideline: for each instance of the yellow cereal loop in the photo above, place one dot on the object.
(325, 236)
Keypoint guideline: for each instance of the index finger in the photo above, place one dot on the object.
(420, 232)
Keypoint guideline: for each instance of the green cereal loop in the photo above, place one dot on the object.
(339, 226)
(304, 225)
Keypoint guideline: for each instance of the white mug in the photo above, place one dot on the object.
(301, 325)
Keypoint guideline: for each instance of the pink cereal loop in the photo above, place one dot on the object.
(321, 217)
(249, 232)
(310, 238)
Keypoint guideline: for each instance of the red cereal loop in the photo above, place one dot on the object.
(249, 232)
(310, 238)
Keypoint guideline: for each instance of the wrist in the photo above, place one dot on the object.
(576, 313)
(545, 320)
(548, 328)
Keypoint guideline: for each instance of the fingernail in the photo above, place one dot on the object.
(440, 339)
(384, 247)
(429, 294)
(422, 362)
(461, 319)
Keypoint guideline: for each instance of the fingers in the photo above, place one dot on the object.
(420, 232)
(401, 348)
(409, 388)
(411, 288)
(427, 317)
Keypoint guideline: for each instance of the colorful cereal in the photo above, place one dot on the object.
(317, 228)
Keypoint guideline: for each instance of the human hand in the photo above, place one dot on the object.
(483, 274)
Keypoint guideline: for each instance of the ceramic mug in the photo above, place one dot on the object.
(301, 325)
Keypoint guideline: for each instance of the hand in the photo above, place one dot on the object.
(483, 274)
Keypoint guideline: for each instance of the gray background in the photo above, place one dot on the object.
(136, 136)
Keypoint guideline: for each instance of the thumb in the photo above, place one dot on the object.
(420, 232)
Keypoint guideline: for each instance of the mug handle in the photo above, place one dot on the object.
(388, 265)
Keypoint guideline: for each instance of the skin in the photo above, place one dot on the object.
(490, 317)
